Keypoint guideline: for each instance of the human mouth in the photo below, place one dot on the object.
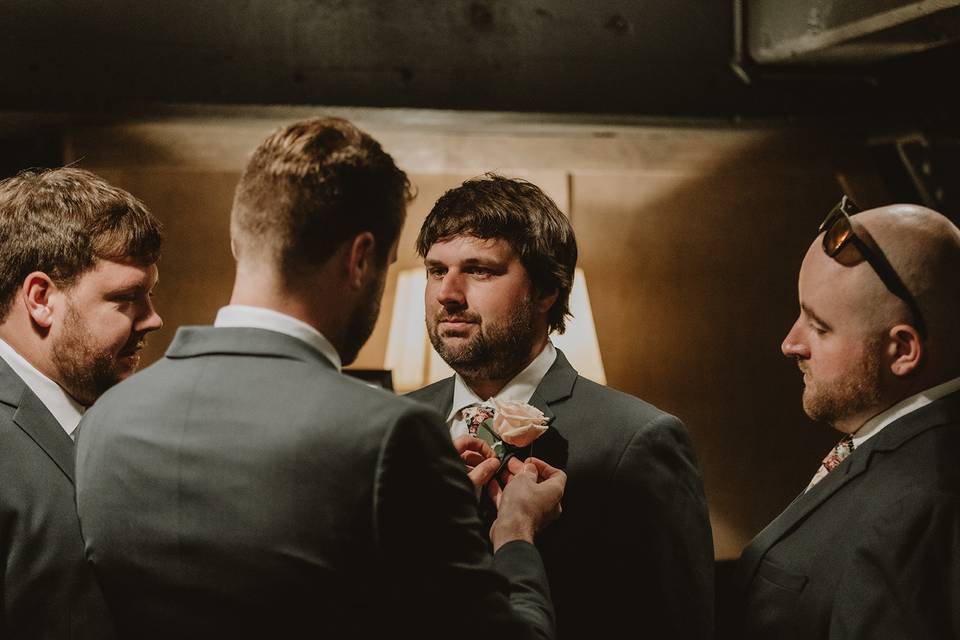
(131, 353)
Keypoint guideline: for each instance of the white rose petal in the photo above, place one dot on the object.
(518, 424)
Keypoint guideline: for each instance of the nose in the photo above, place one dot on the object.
(793, 345)
(151, 320)
(450, 293)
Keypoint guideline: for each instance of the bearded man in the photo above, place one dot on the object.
(77, 271)
(871, 547)
(500, 260)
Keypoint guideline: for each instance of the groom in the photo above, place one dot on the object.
(500, 260)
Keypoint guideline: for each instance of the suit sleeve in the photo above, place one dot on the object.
(428, 533)
(661, 517)
(904, 577)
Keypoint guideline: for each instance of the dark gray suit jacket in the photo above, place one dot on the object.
(873, 550)
(47, 590)
(632, 551)
(242, 487)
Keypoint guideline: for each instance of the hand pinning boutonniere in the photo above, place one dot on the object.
(514, 425)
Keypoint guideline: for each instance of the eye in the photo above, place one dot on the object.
(435, 272)
(481, 272)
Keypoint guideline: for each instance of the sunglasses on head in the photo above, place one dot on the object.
(838, 233)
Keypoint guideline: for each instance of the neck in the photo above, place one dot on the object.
(312, 302)
(24, 338)
(490, 381)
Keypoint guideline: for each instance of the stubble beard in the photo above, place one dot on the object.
(858, 393)
(363, 320)
(494, 351)
(86, 371)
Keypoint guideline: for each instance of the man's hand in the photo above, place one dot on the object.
(479, 459)
(528, 503)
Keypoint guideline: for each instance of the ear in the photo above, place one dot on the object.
(36, 293)
(546, 301)
(906, 348)
(361, 260)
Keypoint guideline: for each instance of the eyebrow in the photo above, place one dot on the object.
(469, 262)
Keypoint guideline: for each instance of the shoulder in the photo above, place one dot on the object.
(434, 394)
(610, 406)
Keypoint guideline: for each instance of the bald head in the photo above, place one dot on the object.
(923, 247)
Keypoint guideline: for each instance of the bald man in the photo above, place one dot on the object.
(871, 547)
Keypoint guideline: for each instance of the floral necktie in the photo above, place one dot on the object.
(474, 415)
(833, 459)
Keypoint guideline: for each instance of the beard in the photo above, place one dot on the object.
(363, 319)
(86, 369)
(858, 391)
(494, 351)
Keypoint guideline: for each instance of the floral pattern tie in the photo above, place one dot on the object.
(833, 459)
(474, 415)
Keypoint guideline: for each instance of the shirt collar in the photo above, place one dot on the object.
(239, 315)
(873, 426)
(58, 402)
(519, 389)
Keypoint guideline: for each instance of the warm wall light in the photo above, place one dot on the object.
(414, 362)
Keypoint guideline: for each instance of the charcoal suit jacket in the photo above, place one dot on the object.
(872, 550)
(632, 552)
(46, 589)
(242, 487)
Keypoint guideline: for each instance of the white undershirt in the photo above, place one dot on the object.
(519, 389)
(239, 315)
(61, 404)
(874, 425)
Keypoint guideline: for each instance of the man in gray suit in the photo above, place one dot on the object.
(632, 550)
(871, 547)
(77, 267)
(244, 487)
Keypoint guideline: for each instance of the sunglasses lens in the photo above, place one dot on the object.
(837, 235)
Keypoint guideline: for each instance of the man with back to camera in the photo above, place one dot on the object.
(500, 261)
(871, 548)
(77, 269)
(244, 487)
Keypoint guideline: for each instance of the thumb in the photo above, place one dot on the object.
(530, 470)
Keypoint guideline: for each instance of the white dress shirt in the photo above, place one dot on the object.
(61, 404)
(519, 389)
(874, 425)
(238, 315)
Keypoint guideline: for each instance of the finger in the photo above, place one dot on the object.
(543, 469)
(530, 469)
(484, 472)
(515, 466)
(469, 443)
(472, 458)
(495, 492)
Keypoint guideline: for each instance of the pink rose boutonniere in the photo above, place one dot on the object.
(514, 425)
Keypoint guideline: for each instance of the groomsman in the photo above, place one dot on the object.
(77, 268)
(632, 550)
(871, 548)
(243, 487)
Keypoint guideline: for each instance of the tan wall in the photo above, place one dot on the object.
(690, 237)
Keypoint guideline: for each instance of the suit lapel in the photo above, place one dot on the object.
(892, 437)
(34, 419)
(557, 385)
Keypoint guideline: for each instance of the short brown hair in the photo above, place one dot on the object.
(310, 187)
(61, 221)
(493, 206)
